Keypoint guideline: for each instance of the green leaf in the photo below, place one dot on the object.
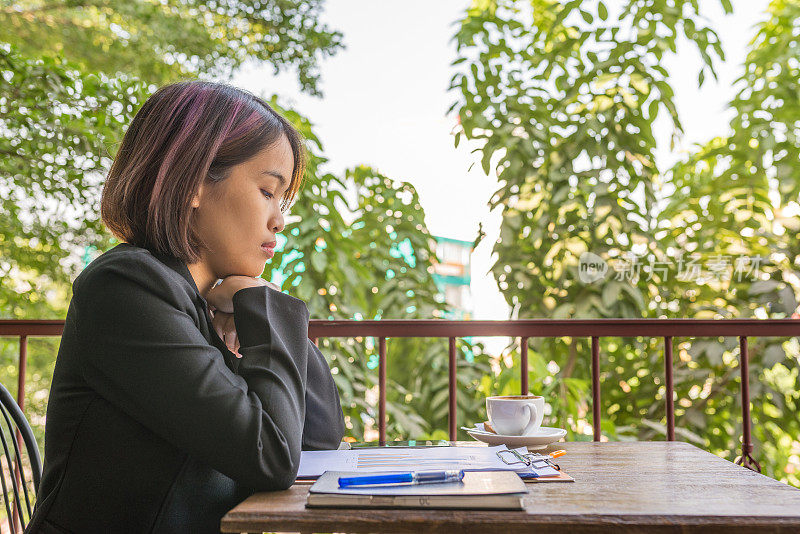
(602, 11)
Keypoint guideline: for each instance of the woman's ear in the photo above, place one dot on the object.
(196, 198)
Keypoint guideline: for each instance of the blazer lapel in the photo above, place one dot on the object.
(205, 326)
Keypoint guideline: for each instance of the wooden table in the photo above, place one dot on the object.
(619, 487)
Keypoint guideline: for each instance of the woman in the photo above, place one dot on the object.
(174, 396)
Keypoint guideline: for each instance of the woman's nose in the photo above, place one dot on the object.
(277, 223)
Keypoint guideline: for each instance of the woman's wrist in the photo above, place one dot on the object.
(221, 295)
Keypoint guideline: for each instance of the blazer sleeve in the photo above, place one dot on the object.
(324, 424)
(143, 352)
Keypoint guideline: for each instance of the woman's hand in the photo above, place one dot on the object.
(220, 301)
(226, 330)
(220, 297)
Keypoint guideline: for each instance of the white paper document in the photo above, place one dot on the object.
(314, 463)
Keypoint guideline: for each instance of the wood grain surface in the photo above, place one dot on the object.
(619, 487)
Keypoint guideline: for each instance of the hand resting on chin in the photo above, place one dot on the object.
(220, 302)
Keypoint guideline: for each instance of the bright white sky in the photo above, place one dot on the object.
(385, 97)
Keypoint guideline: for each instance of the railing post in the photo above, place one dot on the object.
(746, 459)
(22, 372)
(382, 390)
(670, 388)
(523, 363)
(596, 388)
(23, 369)
(452, 383)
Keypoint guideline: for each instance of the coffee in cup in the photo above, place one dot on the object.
(515, 415)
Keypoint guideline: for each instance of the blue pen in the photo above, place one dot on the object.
(416, 477)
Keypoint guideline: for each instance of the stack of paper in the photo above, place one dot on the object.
(314, 463)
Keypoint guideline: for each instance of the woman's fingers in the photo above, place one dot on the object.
(230, 332)
(225, 327)
(233, 337)
(217, 323)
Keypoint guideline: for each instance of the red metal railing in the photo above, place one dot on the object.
(594, 329)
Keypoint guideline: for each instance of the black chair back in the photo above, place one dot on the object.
(18, 496)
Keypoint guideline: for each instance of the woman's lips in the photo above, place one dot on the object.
(269, 249)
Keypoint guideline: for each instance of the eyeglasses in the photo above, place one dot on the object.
(532, 459)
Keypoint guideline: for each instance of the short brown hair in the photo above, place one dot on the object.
(187, 133)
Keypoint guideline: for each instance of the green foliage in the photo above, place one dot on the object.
(563, 97)
(57, 125)
(165, 40)
(72, 74)
(738, 196)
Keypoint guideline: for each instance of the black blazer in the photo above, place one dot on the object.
(152, 424)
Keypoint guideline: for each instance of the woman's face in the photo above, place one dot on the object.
(238, 218)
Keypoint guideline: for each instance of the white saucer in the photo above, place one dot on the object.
(541, 438)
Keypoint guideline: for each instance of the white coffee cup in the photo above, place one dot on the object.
(515, 415)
